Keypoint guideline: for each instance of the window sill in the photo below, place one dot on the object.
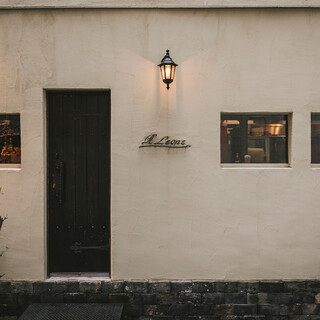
(7, 166)
(315, 165)
(256, 166)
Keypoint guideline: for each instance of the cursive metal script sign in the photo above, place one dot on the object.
(152, 140)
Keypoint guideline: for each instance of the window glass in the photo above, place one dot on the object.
(10, 142)
(251, 138)
(315, 138)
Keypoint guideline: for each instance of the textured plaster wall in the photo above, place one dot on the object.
(176, 214)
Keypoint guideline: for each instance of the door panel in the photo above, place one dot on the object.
(79, 181)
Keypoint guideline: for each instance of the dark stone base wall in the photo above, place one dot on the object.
(174, 300)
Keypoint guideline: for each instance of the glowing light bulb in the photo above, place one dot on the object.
(168, 70)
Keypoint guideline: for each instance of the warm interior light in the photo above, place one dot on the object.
(168, 71)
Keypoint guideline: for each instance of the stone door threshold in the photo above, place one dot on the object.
(88, 276)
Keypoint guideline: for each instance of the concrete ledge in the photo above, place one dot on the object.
(161, 4)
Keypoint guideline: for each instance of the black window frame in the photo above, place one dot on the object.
(7, 116)
(243, 120)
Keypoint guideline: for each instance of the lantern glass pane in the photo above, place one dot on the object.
(162, 72)
(168, 71)
(173, 69)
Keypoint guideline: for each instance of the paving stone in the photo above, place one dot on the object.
(199, 310)
(136, 287)
(300, 317)
(253, 287)
(226, 286)
(208, 317)
(165, 298)
(52, 298)
(112, 286)
(232, 317)
(268, 310)
(213, 298)
(5, 287)
(236, 298)
(252, 298)
(250, 317)
(67, 286)
(9, 299)
(159, 287)
(132, 311)
(97, 297)
(186, 297)
(280, 298)
(181, 286)
(202, 287)
(310, 308)
(25, 299)
(304, 297)
(263, 298)
(43, 287)
(222, 310)
(294, 309)
(178, 310)
(146, 298)
(74, 297)
(294, 286)
(6, 310)
(244, 309)
(272, 287)
(313, 286)
(92, 287)
(154, 310)
(242, 287)
(119, 298)
(58, 287)
(21, 287)
(276, 317)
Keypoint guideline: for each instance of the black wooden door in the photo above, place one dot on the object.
(79, 181)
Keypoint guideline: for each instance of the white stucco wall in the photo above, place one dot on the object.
(176, 214)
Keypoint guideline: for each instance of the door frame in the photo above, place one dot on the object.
(46, 170)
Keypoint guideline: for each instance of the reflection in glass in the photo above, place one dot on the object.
(250, 138)
(10, 142)
(315, 138)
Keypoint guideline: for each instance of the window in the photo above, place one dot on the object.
(315, 137)
(254, 138)
(10, 144)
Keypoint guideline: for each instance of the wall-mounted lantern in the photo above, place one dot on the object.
(167, 69)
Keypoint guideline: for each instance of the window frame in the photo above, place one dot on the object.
(12, 166)
(313, 164)
(238, 116)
